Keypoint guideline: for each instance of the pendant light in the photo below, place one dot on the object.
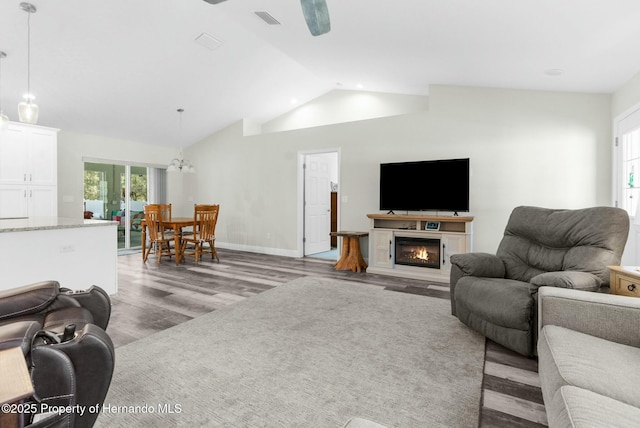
(179, 163)
(27, 109)
(4, 120)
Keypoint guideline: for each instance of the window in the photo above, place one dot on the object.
(627, 171)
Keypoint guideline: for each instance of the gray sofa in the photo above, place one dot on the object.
(589, 358)
(496, 294)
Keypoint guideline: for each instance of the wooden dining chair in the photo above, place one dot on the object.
(196, 208)
(212, 248)
(166, 215)
(205, 218)
(154, 218)
(166, 211)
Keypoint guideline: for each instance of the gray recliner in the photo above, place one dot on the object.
(496, 294)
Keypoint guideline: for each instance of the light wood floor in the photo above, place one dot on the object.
(155, 297)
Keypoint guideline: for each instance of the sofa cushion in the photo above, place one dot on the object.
(567, 357)
(579, 408)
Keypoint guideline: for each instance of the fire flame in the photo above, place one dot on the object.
(422, 254)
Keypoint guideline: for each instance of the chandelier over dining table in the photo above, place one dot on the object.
(180, 163)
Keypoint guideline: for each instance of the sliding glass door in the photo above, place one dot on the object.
(118, 192)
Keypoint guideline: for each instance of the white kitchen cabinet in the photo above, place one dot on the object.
(27, 201)
(13, 201)
(28, 171)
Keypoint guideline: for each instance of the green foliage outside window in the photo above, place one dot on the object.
(92, 185)
(93, 180)
(138, 187)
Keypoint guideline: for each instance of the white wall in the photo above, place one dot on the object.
(526, 147)
(74, 147)
(342, 106)
(626, 97)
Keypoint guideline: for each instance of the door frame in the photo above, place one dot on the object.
(301, 188)
(631, 253)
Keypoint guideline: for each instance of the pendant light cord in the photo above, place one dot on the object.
(29, 55)
(2, 55)
(180, 110)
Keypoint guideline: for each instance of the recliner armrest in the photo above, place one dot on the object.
(28, 299)
(91, 357)
(608, 316)
(568, 279)
(473, 264)
(479, 264)
(94, 299)
(18, 334)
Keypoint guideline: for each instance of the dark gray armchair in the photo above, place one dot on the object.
(70, 356)
(496, 294)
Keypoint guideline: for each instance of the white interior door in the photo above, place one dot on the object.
(317, 207)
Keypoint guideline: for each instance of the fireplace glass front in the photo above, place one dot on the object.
(421, 252)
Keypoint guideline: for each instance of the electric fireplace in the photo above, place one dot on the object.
(420, 252)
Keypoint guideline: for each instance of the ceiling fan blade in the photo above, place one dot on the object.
(214, 1)
(316, 14)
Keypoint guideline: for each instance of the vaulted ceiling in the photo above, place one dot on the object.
(121, 68)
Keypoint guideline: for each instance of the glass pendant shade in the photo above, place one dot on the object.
(4, 121)
(28, 111)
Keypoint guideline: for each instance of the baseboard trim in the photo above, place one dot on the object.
(256, 249)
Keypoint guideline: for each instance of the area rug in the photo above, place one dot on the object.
(311, 353)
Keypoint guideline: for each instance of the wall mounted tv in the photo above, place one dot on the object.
(437, 185)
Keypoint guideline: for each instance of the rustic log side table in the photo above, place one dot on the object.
(351, 258)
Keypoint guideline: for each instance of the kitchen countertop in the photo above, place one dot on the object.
(47, 223)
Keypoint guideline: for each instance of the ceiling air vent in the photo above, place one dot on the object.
(208, 41)
(267, 17)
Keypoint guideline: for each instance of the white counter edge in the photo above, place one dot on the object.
(49, 223)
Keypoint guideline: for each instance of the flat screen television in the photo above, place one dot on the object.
(437, 185)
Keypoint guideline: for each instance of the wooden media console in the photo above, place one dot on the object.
(417, 246)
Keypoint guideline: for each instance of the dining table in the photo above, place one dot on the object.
(176, 224)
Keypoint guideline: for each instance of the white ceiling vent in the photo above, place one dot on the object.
(208, 41)
(267, 17)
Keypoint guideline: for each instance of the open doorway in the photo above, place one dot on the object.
(319, 203)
